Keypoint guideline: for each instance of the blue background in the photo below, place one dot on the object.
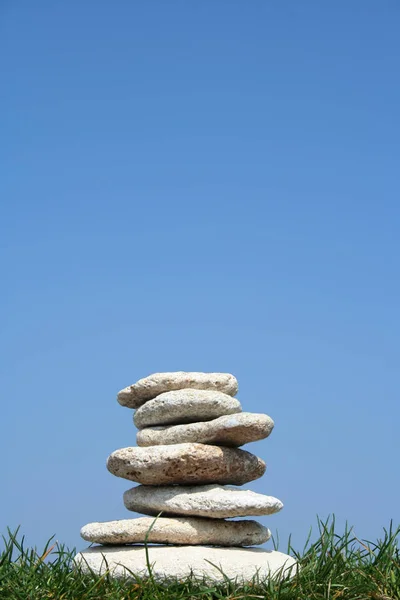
(207, 186)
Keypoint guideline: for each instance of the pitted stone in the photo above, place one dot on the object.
(185, 464)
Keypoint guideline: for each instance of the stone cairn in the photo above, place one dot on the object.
(189, 466)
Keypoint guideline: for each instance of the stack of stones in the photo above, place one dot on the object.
(188, 466)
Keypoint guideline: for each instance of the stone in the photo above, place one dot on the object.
(169, 563)
(185, 464)
(185, 406)
(191, 531)
(211, 501)
(149, 387)
(228, 430)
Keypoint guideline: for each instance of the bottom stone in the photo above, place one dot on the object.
(200, 562)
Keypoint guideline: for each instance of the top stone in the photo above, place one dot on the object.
(149, 387)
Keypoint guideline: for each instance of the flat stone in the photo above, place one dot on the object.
(185, 464)
(191, 531)
(212, 501)
(149, 387)
(185, 406)
(228, 430)
(182, 562)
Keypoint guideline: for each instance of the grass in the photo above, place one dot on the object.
(336, 566)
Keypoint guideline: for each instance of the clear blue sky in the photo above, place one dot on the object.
(208, 186)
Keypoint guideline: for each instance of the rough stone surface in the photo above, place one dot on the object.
(229, 430)
(185, 464)
(191, 531)
(172, 562)
(212, 501)
(149, 387)
(185, 406)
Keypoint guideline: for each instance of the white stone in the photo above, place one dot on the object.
(212, 501)
(185, 406)
(149, 387)
(169, 563)
(228, 430)
(191, 531)
(185, 464)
